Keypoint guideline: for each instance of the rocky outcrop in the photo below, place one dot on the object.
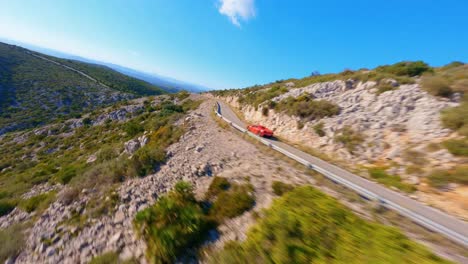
(390, 122)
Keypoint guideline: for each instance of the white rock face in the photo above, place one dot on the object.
(391, 122)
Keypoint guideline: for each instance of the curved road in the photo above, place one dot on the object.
(453, 228)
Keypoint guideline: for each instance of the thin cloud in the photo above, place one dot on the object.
(237, 10)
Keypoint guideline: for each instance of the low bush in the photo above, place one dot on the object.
(69, 195)
(39, 202)
(146, 160)
(66, 174)
(458, 147)
(381, 176)
(307, 226)
(265, 111)
(133, 128)
(173, 224)
(405, 68)
(218, 185)
(437, 85)
(318, 129)
(232, 202)
(106, 153)
(182, 95)
(255, 96)
(384, 87)
(307, 108)
(280, 188)
(111, 258)
(456, 118)
(349, 138)
(441, 178)
(415, 157)
(106, 258)
(11, 242)
(6, 207)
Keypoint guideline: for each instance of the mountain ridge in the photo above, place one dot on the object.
(36, 88)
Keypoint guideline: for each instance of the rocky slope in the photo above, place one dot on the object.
(398, 131)
(60, 235)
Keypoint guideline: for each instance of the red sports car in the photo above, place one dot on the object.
(260, 130)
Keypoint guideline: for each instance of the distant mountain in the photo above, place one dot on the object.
(36, 88)
(167, 83)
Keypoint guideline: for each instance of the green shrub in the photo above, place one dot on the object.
(66, 174)
(106, 258)
(87, 121)
(384, 87)
(349, 138)
(441, 178)
(437, 85)
(456, 118)
(280, 188)
(405, 68)
(255, 96)
(458, 147)
(182, 95)
(106, 153)
(306, 108)
(318, 128)
(132, 128)
(265, 111)
(6, 207)
(39, 202)
(381, 176)
(307, 226)
(173, 224)
(218, 185)
(232, 202)
(11, 242)
(146, 159)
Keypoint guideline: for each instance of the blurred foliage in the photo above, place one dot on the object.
(39, 202)
(11, 242)
(111, 258)
(173, 224)
(218, 185)
(456, 118)
(318, 129)
(349, 138)
(381, 176)
(280, 188)
(458, 147)
(307, 226)
(441, 178)
(232, 202)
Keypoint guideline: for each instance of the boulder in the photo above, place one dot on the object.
(132, 146)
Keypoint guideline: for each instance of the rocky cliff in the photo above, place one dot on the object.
(397, 132)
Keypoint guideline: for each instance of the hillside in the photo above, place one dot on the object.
(401, 125)
(37, 89)
(108, 185)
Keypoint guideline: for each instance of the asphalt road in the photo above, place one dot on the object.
(439, 220)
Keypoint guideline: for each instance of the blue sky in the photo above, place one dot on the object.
(238, 43)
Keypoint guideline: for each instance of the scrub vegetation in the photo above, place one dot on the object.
(55, 158)
(307, 226)
(177, 222)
